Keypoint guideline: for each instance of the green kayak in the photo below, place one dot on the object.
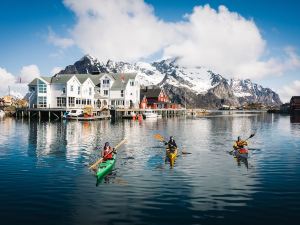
(106, 167)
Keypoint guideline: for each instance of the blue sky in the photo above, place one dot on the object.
(25, 26)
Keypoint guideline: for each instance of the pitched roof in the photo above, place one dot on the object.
(151, 92)
(61, 78)
(295, 99)
(35, 80)
(121, 80)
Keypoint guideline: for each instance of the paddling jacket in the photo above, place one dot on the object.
(107, 153)
(239, 144)
(171, 144)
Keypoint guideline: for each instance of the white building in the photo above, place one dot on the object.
(79, 90)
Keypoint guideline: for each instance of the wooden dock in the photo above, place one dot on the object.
(115, 114)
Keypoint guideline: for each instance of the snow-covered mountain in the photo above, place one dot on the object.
(198, 87)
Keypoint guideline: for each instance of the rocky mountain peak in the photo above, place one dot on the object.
(200, 86)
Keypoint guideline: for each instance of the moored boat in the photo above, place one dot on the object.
(2, 113)
(150, 114)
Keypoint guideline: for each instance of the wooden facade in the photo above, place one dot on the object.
(295, 104)
(156, 98)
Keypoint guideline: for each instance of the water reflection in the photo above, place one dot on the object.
(208, 186)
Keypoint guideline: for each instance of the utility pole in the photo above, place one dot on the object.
(8, 90)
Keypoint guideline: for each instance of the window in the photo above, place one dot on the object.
(71, 101)
(105, 92)
(64, 90)
(122, 93)
(83, 101)
(113, 102)
(31, 89)
(42, 102)
(131, 83)
(89, 101)
(90, 91)
(78, 90)
(106, 81)
(42, 87)
(72, 88)
(61, 102)
(77, 101)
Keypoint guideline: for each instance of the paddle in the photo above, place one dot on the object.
(101, 159)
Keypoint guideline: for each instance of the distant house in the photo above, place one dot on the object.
(155, 98)
(285, 108)
(76, 91)
(295, 104)
(7, 100)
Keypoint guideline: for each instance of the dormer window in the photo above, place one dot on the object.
(72, 88)
(131, 83)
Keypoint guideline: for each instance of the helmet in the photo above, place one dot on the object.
(171, 137)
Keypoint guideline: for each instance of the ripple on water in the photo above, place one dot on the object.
(44, 172)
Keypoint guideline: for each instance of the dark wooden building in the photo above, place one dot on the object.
(295, 104)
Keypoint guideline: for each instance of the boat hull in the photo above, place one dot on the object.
(171, 156)
(241, 154)
(106, 167)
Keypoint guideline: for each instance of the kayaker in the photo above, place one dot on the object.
(107, 152)
(171, 144)
(239, 144)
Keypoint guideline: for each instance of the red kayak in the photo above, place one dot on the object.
(241, 153)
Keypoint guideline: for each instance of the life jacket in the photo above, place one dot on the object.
(240, 144)
(243, 151)
(107, 153)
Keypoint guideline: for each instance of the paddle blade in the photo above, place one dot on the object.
(158, 137)
(251, 136)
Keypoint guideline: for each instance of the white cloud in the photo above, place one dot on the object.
(7, 79)
(55, 70)
(221, 40)
(17, 85)
(54, 39)
(28, 73)
(118, 29)
(287, 91)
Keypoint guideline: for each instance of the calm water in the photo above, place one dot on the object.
(44, 178)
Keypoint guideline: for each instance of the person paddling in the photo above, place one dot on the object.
(171, 144)
(239, 145)
(107, 152)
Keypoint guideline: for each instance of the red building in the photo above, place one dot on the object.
(155, 98)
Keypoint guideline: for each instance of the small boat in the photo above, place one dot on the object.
(105, 167)
(2, 113)
(241, 153)
(171, 156)
(150, 114)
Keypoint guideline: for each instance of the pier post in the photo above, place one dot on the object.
(39, 115)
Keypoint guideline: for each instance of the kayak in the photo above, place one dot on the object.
(241, 153)
(171, 156)
(106, 167)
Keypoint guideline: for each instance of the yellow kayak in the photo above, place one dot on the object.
(171, 155)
